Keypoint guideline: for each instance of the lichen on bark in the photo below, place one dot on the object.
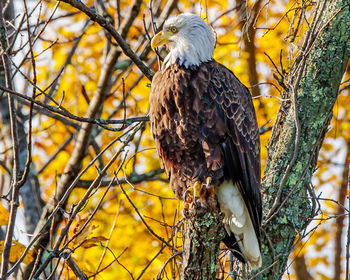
(203, 233)
(298, 135)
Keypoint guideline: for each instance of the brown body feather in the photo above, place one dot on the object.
(204, 125)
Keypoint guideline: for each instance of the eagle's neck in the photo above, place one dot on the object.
(189, 53)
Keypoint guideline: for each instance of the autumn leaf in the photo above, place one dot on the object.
(17, 250)
(93, 241)
(88, 230)
(4, 215)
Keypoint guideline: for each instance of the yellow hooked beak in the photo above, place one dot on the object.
(160, 39)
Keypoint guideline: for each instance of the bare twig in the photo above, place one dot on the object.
(29, 136)
(56, 80)
(75, 268)
(159, 276)
(82, 202)
(149, 263)
(55, 154)
(100, 122)
(132, 179)
(115, 260)
(41, 231)
(109, 236)
(15, 174)
(142, 219)
(109, 27)
(98, 204)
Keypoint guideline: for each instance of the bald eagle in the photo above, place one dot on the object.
(205, 129)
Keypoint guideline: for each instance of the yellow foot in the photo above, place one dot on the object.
(192, 193)
(186, 206)
(208, 182)
(196, 190)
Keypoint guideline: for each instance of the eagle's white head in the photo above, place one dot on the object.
(189, 39)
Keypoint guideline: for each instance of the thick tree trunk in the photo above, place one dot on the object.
(203, 233)
(29, 192)
(339, 224)
(299, 131)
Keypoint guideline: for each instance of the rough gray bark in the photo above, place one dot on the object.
(203, 233)
(29, 193)
(294, 146)
(299, 131)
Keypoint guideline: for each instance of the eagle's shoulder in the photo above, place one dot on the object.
(235, 100)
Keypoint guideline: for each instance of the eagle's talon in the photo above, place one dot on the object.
(185, 195)
(186, 206)
(192, 193)
(208, 182)
(196, 191)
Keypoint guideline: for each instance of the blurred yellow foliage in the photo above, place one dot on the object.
(130, 245)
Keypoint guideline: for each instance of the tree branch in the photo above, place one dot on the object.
(14, 188)
(339, 222)
(109, 27)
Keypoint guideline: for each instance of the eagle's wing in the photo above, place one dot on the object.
(240, 145)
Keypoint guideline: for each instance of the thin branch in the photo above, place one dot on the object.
(149, 263)
(142, 219)
(109, 237)
(81, 229)
(48, 113)
(115, 260)
(82, 202)
(55, 154)
(75, 268)
(56, 80)
(109, 27)
(41, 231)
(133, 179)
(29, 136)
(58, 110)
(159, 275)
(16, 167)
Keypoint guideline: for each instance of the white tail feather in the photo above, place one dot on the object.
(237, 221)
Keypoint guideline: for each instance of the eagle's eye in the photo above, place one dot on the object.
(173, 29)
